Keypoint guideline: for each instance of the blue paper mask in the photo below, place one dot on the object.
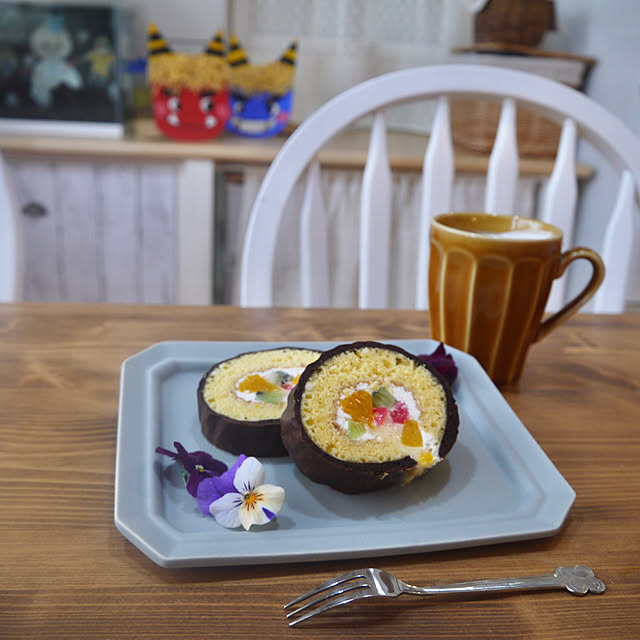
(259, 115)
(261, 95)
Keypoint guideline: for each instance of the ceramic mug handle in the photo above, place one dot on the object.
(597, 276)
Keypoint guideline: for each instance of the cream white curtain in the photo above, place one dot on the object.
(344, 42)
(341, 189)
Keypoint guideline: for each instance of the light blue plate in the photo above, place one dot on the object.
(496, 485)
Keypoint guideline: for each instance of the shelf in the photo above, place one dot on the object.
(348, 150)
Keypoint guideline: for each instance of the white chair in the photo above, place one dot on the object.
(578, 115)
(10, 241)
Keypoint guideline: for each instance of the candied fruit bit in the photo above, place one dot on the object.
(411, 436)
(284, 377)
(426, 459)
(278, 378)
(379, 415)
(355, 429)
(400, 412)
(254, 383)
(270, 396)
(359, 406)
(383, 398)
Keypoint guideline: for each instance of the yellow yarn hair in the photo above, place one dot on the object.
(196, 71)
(274, 77)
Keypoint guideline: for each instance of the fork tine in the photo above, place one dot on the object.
(327, 595)
(334, 582)
(345, 599)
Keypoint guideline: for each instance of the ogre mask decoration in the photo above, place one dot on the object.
(189, 92)
(261, 95)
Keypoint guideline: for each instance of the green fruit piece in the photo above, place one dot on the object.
(280, 378)
(284, 377)
(272, 396)
(355, 429)
(383, 398)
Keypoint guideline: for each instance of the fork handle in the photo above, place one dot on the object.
(578, 580)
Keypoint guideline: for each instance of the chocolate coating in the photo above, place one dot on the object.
(255, 438)
(354, 477)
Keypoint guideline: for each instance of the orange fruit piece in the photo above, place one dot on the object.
(411, 436)
(255, 383)
(359, 406)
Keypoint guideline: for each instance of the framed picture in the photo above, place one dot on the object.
(61, 69)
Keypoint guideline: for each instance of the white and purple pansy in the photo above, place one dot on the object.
(252, 502)
(234, 497)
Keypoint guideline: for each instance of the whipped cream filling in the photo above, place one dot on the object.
(274, 376)
(388, 428)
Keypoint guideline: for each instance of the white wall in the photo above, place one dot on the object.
(182, 22)
(608, 30)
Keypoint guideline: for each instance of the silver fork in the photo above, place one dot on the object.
(368, 583)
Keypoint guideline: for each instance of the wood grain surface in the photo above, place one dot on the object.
(66, 572)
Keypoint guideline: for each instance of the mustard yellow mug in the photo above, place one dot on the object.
(489, 281)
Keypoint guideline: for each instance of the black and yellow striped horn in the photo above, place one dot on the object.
(156, 42)
(290, 55)
(216, 47)
(236, 56)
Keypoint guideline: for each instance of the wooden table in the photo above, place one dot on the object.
(66, 572)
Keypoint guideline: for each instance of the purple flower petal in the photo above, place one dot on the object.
(207, 493)
(197, 465)
(183, 456)
(208, 463)
(442, 362)
(224, 482)
(210, 489)
(166, 452)
(195, 478)
(270, 515)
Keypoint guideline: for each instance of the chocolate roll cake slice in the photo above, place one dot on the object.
(366, 416)
(240, 400)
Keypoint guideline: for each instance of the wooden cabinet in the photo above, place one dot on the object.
(97, 231)
(115, 229)
(134, 220)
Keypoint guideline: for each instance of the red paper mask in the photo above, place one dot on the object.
(189, 114)
(189, 92)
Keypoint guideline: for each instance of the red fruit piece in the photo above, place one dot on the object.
(379, 414)
(400, 412)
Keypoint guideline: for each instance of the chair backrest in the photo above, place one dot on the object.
(579, 116)
(10, 241)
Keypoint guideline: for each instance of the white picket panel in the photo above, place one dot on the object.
(314, 260)
(375, 221)
(11, 254)
(156, 243)
(78, 222)
(503, 170)
(438, 174)
(194, 198)
(617, 248)
(118, 199)
(560, 202)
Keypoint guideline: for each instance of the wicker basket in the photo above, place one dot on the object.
(522, 22)
(474, 124)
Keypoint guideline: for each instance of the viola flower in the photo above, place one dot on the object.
(442, 362)
(252, 503)
(197, 465)
(210, 489)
